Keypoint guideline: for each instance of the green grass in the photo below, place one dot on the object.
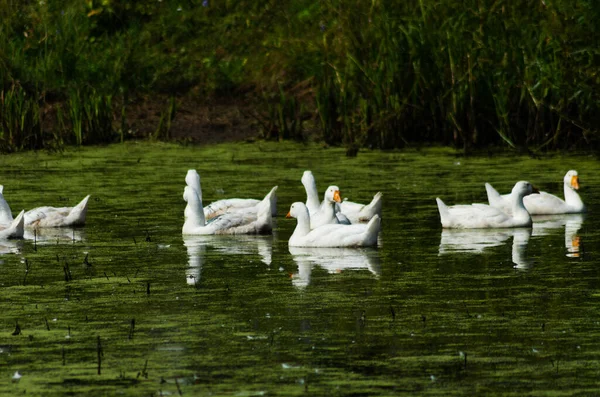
(376, 74)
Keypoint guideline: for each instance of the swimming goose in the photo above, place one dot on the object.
(476, 216)
(326, 212)
(47, 216)
(58, 216)
(346, 211)
(544, 203)
(220, 207)
(331, 235)
(245, 222)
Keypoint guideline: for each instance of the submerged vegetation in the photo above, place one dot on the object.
(354, 73)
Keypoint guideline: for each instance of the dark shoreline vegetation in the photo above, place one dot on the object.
(381, 74)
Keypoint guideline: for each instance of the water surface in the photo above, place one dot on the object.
(128, 306)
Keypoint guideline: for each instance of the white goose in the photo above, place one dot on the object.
(249, 222)
(477, 216)
(326, 212)
(356, 212)
(220, 207)
(346, 211)
(331, 235)
(48, 216)
(58, 216)
(544, 203)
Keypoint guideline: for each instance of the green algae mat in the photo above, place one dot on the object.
(127, 306)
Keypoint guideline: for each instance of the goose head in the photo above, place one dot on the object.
(332, 194)
(297, 210)
(523, 188)
(572, 179)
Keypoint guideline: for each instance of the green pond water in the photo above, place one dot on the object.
(429, 312)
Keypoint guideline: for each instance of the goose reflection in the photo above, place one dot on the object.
(54, 235)
(10, 246)
(478, 240)
(238, 245)
(545, 224)
(334, 260)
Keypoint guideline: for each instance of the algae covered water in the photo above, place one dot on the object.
(127, 306)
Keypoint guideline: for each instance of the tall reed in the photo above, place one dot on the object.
(378, 73)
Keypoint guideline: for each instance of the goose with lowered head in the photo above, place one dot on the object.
(220, 207)
(544, 203)
(477, 216)
(255, 221)
(48, 216)
(331, 235)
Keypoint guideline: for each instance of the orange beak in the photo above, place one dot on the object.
(575, 182)
(288, 215)
(336, 196)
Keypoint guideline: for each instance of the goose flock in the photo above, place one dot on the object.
(513, 209)
(320, 224)
(330, 223)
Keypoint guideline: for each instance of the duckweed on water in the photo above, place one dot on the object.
(155, 313)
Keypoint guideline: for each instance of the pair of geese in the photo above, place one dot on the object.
(514, 209)
(41, 217)
(331, 223)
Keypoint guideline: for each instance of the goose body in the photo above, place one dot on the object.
(47, 216)
(356, 212)
(346, 211)
(477, 216)
(258, 220)
(544, 203)
(58, 216)
(331, 235)
(221, 207)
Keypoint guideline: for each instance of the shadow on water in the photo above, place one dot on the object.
(572, 223)
(54, 235)
(198, 247)
(333, 260)
(479, 240)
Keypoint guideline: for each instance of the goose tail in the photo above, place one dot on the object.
(78, 213)
(17, 227)
(444, 213)
(266, 210)
(274, 201)
(373, 229)
(373, 208)
(494, 198)
(269, 202)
